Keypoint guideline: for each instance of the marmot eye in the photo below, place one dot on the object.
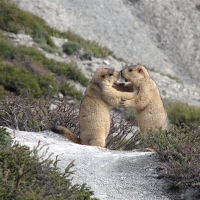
(130, 69)
(110, 74)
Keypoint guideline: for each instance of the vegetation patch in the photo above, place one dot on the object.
(31, 174)
(71, 47)
(25, 67)
(179, 113)
(14, 20)
(179, 152)
(18, 112)
(131, 115)
(178, 148)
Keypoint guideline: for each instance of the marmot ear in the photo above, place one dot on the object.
(102, 76)
(140, 70)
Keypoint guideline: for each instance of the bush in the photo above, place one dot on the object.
(97, 50)
(122, 135)
(69, 70)
(6, 52)
(68, 89)
(25, 175)
(179, 152)
(18, 80)
(29, 68)
(71, 47)
(3, 92)
(179, 113)
(17, 112)
(131, 115)
(5, 139)
(13, 19)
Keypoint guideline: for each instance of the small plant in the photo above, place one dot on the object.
(5, 139)
(6, 52)
(131, 115)
(26, 175)
(69, 89)
(90, 69)
(97, 50)
(71, 47)
(25, 68)
(179, 152)
(122, 135)
(18, 112)
(18, 80)
(179, 113)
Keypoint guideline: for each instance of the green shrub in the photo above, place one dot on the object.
(48, 85)
(71, 47)
(50, 49)
(30, 64)
(5, 139)
(6, 49)
(19, 113)
(131, 115)
(122, 135)
(18, 80)
(179, 150)
(97, 50)
(3, 92)
(179, 113)
(13, 19)
(70, 70)
(68, 89)
(25, 175)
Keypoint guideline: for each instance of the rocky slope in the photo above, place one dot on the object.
(164, 35)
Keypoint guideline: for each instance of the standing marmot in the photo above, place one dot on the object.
(147, 100)
(94, 116)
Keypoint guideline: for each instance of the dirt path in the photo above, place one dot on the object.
(112, 175)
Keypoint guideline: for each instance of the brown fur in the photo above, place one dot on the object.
(66, 133)
(100, 96)
(147, 100)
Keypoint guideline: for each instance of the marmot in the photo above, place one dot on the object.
(147, 100)
(94, 115)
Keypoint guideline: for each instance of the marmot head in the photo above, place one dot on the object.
(136, 74)
(105, 77)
